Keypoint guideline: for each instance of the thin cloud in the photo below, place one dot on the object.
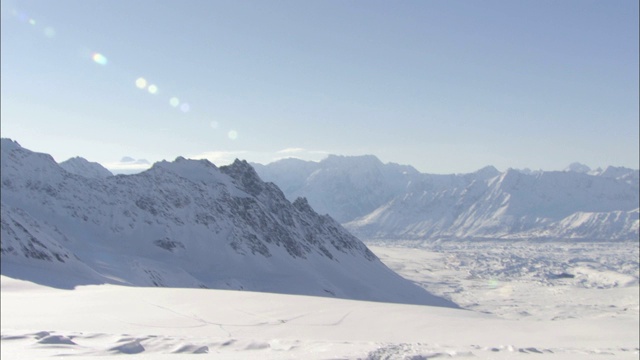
(299, 153)
(128, 165)
(261, 157)
(291, 151)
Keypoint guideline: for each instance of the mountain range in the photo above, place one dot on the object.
(186, 223)
(390, 201)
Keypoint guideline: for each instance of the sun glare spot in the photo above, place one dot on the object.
(174, 101)
(232, 134)
(185, 107)
(152, 89)
(32, 21)
(141, 83)
(99, 59)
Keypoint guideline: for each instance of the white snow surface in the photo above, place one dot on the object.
(578, 167)
(81, 166)
(521, 303)
(376, 200)
(70, 242)
(341, 186)
(185, 223)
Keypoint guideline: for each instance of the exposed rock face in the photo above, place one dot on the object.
(185, 223)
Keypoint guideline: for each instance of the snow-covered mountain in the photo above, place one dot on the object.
(83, 167)
(578, 167)
(185, 223)
(393, 201)
(343, 186)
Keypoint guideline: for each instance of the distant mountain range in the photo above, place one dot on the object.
(185, 223)
(390, 201)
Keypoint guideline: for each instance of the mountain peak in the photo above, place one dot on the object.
(8, 144)
(184, 223)
(341, 160)
(577, 167)
(83, 167)
(246, 175)
(241, 165)
(487, 172)
(197, 171)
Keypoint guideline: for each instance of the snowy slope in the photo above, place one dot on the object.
(621, 173)
(391, 201)
(83, 167)
(578, 167)
(596, 225)
(185, 223)
(108, 321)
(511, 205)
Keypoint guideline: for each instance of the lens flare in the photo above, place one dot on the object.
(99, 59)
(232, 134)
(214, 124)
(141, 83)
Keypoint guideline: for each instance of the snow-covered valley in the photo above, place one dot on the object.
(520, 298)
(524, 279)
(190, 259)
(319, 180)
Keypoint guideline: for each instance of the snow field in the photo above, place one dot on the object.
(515, 313)
(521, 279)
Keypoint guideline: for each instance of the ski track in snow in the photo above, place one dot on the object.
(519, 284)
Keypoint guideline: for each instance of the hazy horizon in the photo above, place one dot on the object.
(447, 87)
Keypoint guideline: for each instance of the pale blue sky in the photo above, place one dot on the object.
(445, 86)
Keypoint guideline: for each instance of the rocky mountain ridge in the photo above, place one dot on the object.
(185, 223)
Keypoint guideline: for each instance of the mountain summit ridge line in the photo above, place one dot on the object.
(186, 223)
(391, 201)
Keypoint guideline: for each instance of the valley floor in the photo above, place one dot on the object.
(554, 300)
(524, 280)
